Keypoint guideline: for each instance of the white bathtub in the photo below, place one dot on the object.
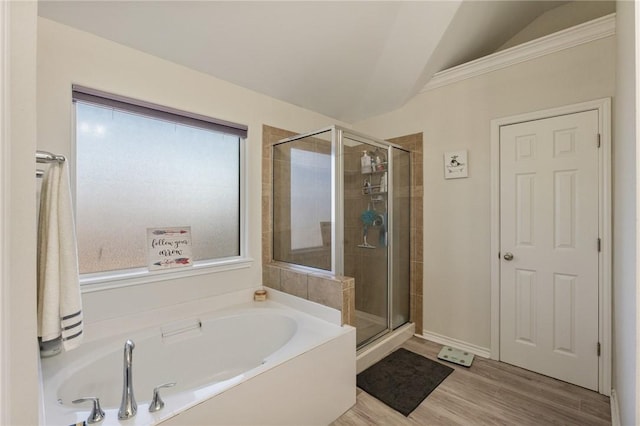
(250, 363)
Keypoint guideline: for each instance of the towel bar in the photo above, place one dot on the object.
(47, 157)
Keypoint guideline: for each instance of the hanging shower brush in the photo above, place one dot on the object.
(367, 217)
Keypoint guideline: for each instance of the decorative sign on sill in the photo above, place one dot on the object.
(169, 247)
(455, 164)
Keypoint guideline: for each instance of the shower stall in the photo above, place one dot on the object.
(341, 203)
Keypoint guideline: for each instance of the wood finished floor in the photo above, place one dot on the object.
(487, 393)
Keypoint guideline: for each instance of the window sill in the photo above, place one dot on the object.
(110, 280)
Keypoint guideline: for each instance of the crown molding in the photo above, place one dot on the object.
(565, 39)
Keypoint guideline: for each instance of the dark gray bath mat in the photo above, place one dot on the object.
(403, 379)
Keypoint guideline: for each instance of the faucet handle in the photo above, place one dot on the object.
(97, 415)
(156, 402)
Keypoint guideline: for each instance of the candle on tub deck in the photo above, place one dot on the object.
(260, 295)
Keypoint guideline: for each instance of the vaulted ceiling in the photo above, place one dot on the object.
(346, 59)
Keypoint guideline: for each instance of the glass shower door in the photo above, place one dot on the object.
(302, 201)
(365, 178)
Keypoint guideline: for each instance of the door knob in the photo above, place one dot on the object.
(508, 256)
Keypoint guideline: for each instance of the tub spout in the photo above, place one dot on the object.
(128, 406)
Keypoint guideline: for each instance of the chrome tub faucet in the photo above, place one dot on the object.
(128, 406)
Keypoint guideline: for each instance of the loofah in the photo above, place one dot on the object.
(368, 217)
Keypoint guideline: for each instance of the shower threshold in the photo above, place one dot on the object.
(377, 349)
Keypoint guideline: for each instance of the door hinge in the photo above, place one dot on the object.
(599, 142)
(599, 245)
(598, 348)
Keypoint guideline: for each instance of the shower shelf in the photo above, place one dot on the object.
(372, 190)
(372, 172)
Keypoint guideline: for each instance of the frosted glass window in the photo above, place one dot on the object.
(310, 197)
(134, 172)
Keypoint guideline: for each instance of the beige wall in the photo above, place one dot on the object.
(19, 354)
(67, 56)
(559, 18)
(625, 291)
(457, 212)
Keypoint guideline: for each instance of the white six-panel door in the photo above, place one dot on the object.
(549, 247)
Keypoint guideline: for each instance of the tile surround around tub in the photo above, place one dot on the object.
(337, 291)
(294, 283)
(334, 291)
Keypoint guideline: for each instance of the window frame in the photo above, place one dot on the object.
(98, 281)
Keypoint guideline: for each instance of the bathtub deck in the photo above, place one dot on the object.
(303, 373)
(310, 389)
(490, 392)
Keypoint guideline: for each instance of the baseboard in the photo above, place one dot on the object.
(444, 340)
(615, 409)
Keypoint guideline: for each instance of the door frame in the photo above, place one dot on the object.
(603, 106)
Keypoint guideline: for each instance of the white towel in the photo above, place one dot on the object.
(59, 299)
